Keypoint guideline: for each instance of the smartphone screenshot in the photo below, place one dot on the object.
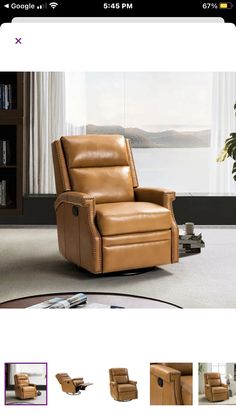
(117, 209)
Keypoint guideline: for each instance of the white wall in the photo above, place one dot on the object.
(36, 372)
(230, 370)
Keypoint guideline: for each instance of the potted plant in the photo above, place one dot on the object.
(201, 370)
(229, 150)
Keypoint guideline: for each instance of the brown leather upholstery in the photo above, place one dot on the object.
(171, 384)
(131, 217)
(23, 388)
(215, 390)
(121, 387)
(71, 385)
(105, 222)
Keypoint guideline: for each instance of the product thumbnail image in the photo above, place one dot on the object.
(26, 384)
(171, 383)
(72, 386)
(121, 387)
(217, 383)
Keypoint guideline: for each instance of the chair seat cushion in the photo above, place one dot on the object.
(122, 388)
(77, 382)
(28, 389)
(131, 217)
(220, 389)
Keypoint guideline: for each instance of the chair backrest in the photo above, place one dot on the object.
(212, 378)
(100, 165)
(21, 379)
(119, 375)
(183, 367)
(62, 377)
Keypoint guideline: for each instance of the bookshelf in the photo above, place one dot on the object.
(12, 141)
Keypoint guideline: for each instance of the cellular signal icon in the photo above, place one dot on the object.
(53, 5)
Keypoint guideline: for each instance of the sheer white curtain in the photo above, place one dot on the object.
(57, 107)
(223, 123)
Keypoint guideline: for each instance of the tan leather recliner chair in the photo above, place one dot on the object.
(105, 222)
(171, 384)
(121, 387)
(215, 390)
(71, 385)
(23, 388)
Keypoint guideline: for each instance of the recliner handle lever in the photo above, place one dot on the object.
(160, 382)
(75, 210)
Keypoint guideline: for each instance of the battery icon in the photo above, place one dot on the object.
(225, 5)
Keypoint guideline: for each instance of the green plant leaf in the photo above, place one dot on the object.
(223, 155)
(234, 154)
(231, 149)
(234, 171)
(229, 140)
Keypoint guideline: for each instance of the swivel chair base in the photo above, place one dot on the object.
(74, 394)
(82, 387)
(128, 400)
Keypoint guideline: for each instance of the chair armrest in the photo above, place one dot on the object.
(224, 385)
(133, 382)
(163, 197)
(79, 238)
(169, 379)
(76, 198)
(167, 374)
(207, 386)
(114, 390)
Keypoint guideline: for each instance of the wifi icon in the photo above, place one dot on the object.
(53, 5)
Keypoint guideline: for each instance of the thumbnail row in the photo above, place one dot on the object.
(170, 383)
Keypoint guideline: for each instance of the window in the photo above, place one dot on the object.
(166, 116)
(221, 368)
(155, 110)
(177, 123)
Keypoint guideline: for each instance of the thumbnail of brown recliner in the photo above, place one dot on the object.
(23, 388)
(72, 386)
(121, 387)
(215, 390)
(105, 222)
(171, 384)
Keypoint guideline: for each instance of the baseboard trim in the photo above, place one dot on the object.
(201, 210)
(11, 387)
(206, 210)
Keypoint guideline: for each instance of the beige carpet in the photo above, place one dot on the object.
(203, 400)
(11, 399)
(30, 264)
